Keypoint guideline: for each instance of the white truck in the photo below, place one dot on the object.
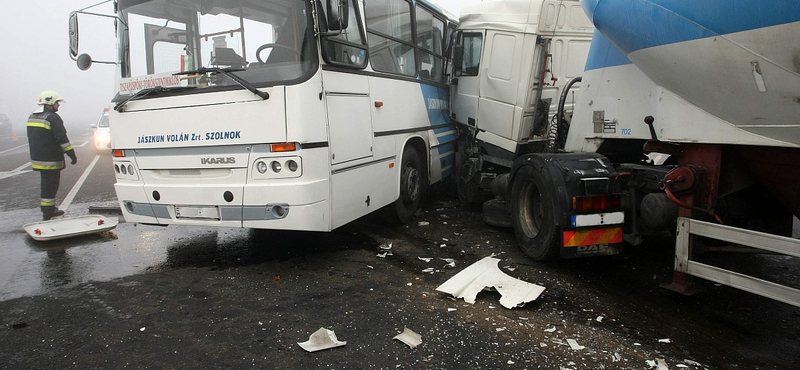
(600, 122)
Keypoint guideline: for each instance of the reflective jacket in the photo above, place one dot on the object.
(48, 141)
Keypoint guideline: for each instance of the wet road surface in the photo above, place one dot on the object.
(185, 297)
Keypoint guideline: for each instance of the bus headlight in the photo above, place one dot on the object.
(292, 165)
(261, 167)
(277, 168)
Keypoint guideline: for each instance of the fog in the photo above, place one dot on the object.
(34, 57)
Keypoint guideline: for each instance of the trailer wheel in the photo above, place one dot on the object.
(532, 215)
(411, 177)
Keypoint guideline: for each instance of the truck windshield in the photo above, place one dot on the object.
(266, 43)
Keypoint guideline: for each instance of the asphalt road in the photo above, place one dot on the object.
(187, 297)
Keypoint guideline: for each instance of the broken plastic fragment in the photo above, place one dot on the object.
(485, 273)
(599, 318)
(409, 337)
(690, 362)
(574, 344)
(423, 223)
(425, 259)
(665, 340)
(381, 255)
(550, 330)
(429, 270)
(662, 365)
(321, 339)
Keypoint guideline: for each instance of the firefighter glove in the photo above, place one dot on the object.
(72, 156)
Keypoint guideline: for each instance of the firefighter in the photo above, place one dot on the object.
(48, 142)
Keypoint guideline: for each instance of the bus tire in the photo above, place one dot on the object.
(532, 215)
(411, 178)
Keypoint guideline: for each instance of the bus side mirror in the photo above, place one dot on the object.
(338, 14)
(84, 62)
(73, 35)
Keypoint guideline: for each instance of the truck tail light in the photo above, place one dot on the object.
(596, 203)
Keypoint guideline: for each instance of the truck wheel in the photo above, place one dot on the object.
(411, 178)
(532, 215)
(495, 213)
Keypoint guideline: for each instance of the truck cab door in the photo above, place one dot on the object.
(466, 82)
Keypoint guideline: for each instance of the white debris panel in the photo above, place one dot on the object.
(321, 339)
(486, 274)
(409, 337)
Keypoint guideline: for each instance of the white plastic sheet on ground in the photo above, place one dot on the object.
(409, 337)
(321, 339)
(486, 274)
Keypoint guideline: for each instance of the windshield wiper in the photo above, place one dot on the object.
(228, 72)
(144, 92)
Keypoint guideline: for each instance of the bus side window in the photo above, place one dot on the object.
(348, 47)
(390, 37)
(430, 37)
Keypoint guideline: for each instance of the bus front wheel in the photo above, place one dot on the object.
(411, 179)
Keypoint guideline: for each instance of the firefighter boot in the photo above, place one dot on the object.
(50, 212)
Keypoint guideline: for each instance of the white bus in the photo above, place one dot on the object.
(279, 114)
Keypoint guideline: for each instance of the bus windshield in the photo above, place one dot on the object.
(265, 42)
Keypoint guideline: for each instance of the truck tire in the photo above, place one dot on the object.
(495, 213)
(411, 178)
(532, 215)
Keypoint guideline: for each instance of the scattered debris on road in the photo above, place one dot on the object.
(69, 227)
(320, 340)
(486, 274)
(409, 337)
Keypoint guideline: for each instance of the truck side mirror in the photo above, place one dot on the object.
(338, 14)
(73, 35)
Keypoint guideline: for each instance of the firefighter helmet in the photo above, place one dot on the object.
(50, 97)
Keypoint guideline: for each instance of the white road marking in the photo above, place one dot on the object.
(13, 149)
(81, 145)
(15, 172)
(74, 191)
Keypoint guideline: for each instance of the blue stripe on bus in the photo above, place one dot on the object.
(436, 100)
(447, 138)
(637, 24)
(445, 148)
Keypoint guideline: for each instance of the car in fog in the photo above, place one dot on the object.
(102, 133)
(5, 124)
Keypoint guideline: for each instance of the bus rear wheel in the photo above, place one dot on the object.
(532, 215)
(411, 179)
